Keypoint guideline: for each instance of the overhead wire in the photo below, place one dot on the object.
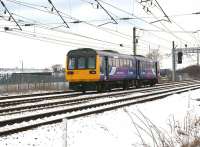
(110, 31)
(52, 39)
(161, 22)
(167, 29)
(143, 29)
(127, 36)
(40, 26)
(142, 39)
(70, 17)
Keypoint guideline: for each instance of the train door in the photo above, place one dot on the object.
(156, 65)
(157, 69)
(138, 68)
(106, 68)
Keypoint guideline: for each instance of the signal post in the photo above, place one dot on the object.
(180, 52)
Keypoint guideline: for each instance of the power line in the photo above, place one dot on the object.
(44, 37)
(71, 33)
(167, 30)
(54, 8)
(86, 22)
(70, 17)
(10, 15)
(115, 22)
(145, 40)
(160, 21)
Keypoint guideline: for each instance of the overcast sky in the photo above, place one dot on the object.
(42, 47)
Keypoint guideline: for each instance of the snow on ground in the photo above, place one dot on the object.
(117, 128)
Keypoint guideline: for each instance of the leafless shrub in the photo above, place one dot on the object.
(184, 134)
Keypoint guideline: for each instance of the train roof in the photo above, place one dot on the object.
(110, 53)
(82, 52)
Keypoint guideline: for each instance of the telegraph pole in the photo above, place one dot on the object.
(197, 58)
(134, 40)
(173, 62)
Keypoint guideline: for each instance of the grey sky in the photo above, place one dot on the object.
(40, 54)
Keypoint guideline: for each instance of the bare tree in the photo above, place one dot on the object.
(155, 55)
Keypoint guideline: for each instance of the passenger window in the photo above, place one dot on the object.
(127, 63)
(121, 63)
(117, 62)
(113, 63)
(101, 65)
(130, 63)
(81, 63)
(91, 62)
(110, 62)
(124, 63)
(72, 63)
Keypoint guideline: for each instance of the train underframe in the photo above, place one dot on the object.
(102, 86)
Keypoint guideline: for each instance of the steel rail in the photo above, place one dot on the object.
(72, 101)
(8, 102)
(84, 109)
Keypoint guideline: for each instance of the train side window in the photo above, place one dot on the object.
(127, 63)
(110, 62)
(81, 63)
(91, 62)
(113, 62)
(72, 63)
(124, 62)
(101, 65)
(117, 62)
(121, 62)
(131, 63)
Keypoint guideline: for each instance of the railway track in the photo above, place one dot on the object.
(72, 101)
(16, 123)
(11, 100)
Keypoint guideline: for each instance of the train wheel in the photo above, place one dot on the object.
(125, 85)
(109, 87)
(83, 89)
(99, 88)
(137, 84)
(152, 83)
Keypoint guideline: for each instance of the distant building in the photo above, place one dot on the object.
(17, 71)
(57, 68)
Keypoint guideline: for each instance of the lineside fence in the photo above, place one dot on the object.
(24, 83)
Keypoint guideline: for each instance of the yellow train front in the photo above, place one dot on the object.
(82, 69)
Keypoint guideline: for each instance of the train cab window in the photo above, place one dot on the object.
(91, 62)
(81, 63)
(72, 63)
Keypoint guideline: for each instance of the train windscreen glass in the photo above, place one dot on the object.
(72, 63)
(91, 62)
(81, 63)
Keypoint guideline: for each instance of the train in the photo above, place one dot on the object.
(102, 70)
